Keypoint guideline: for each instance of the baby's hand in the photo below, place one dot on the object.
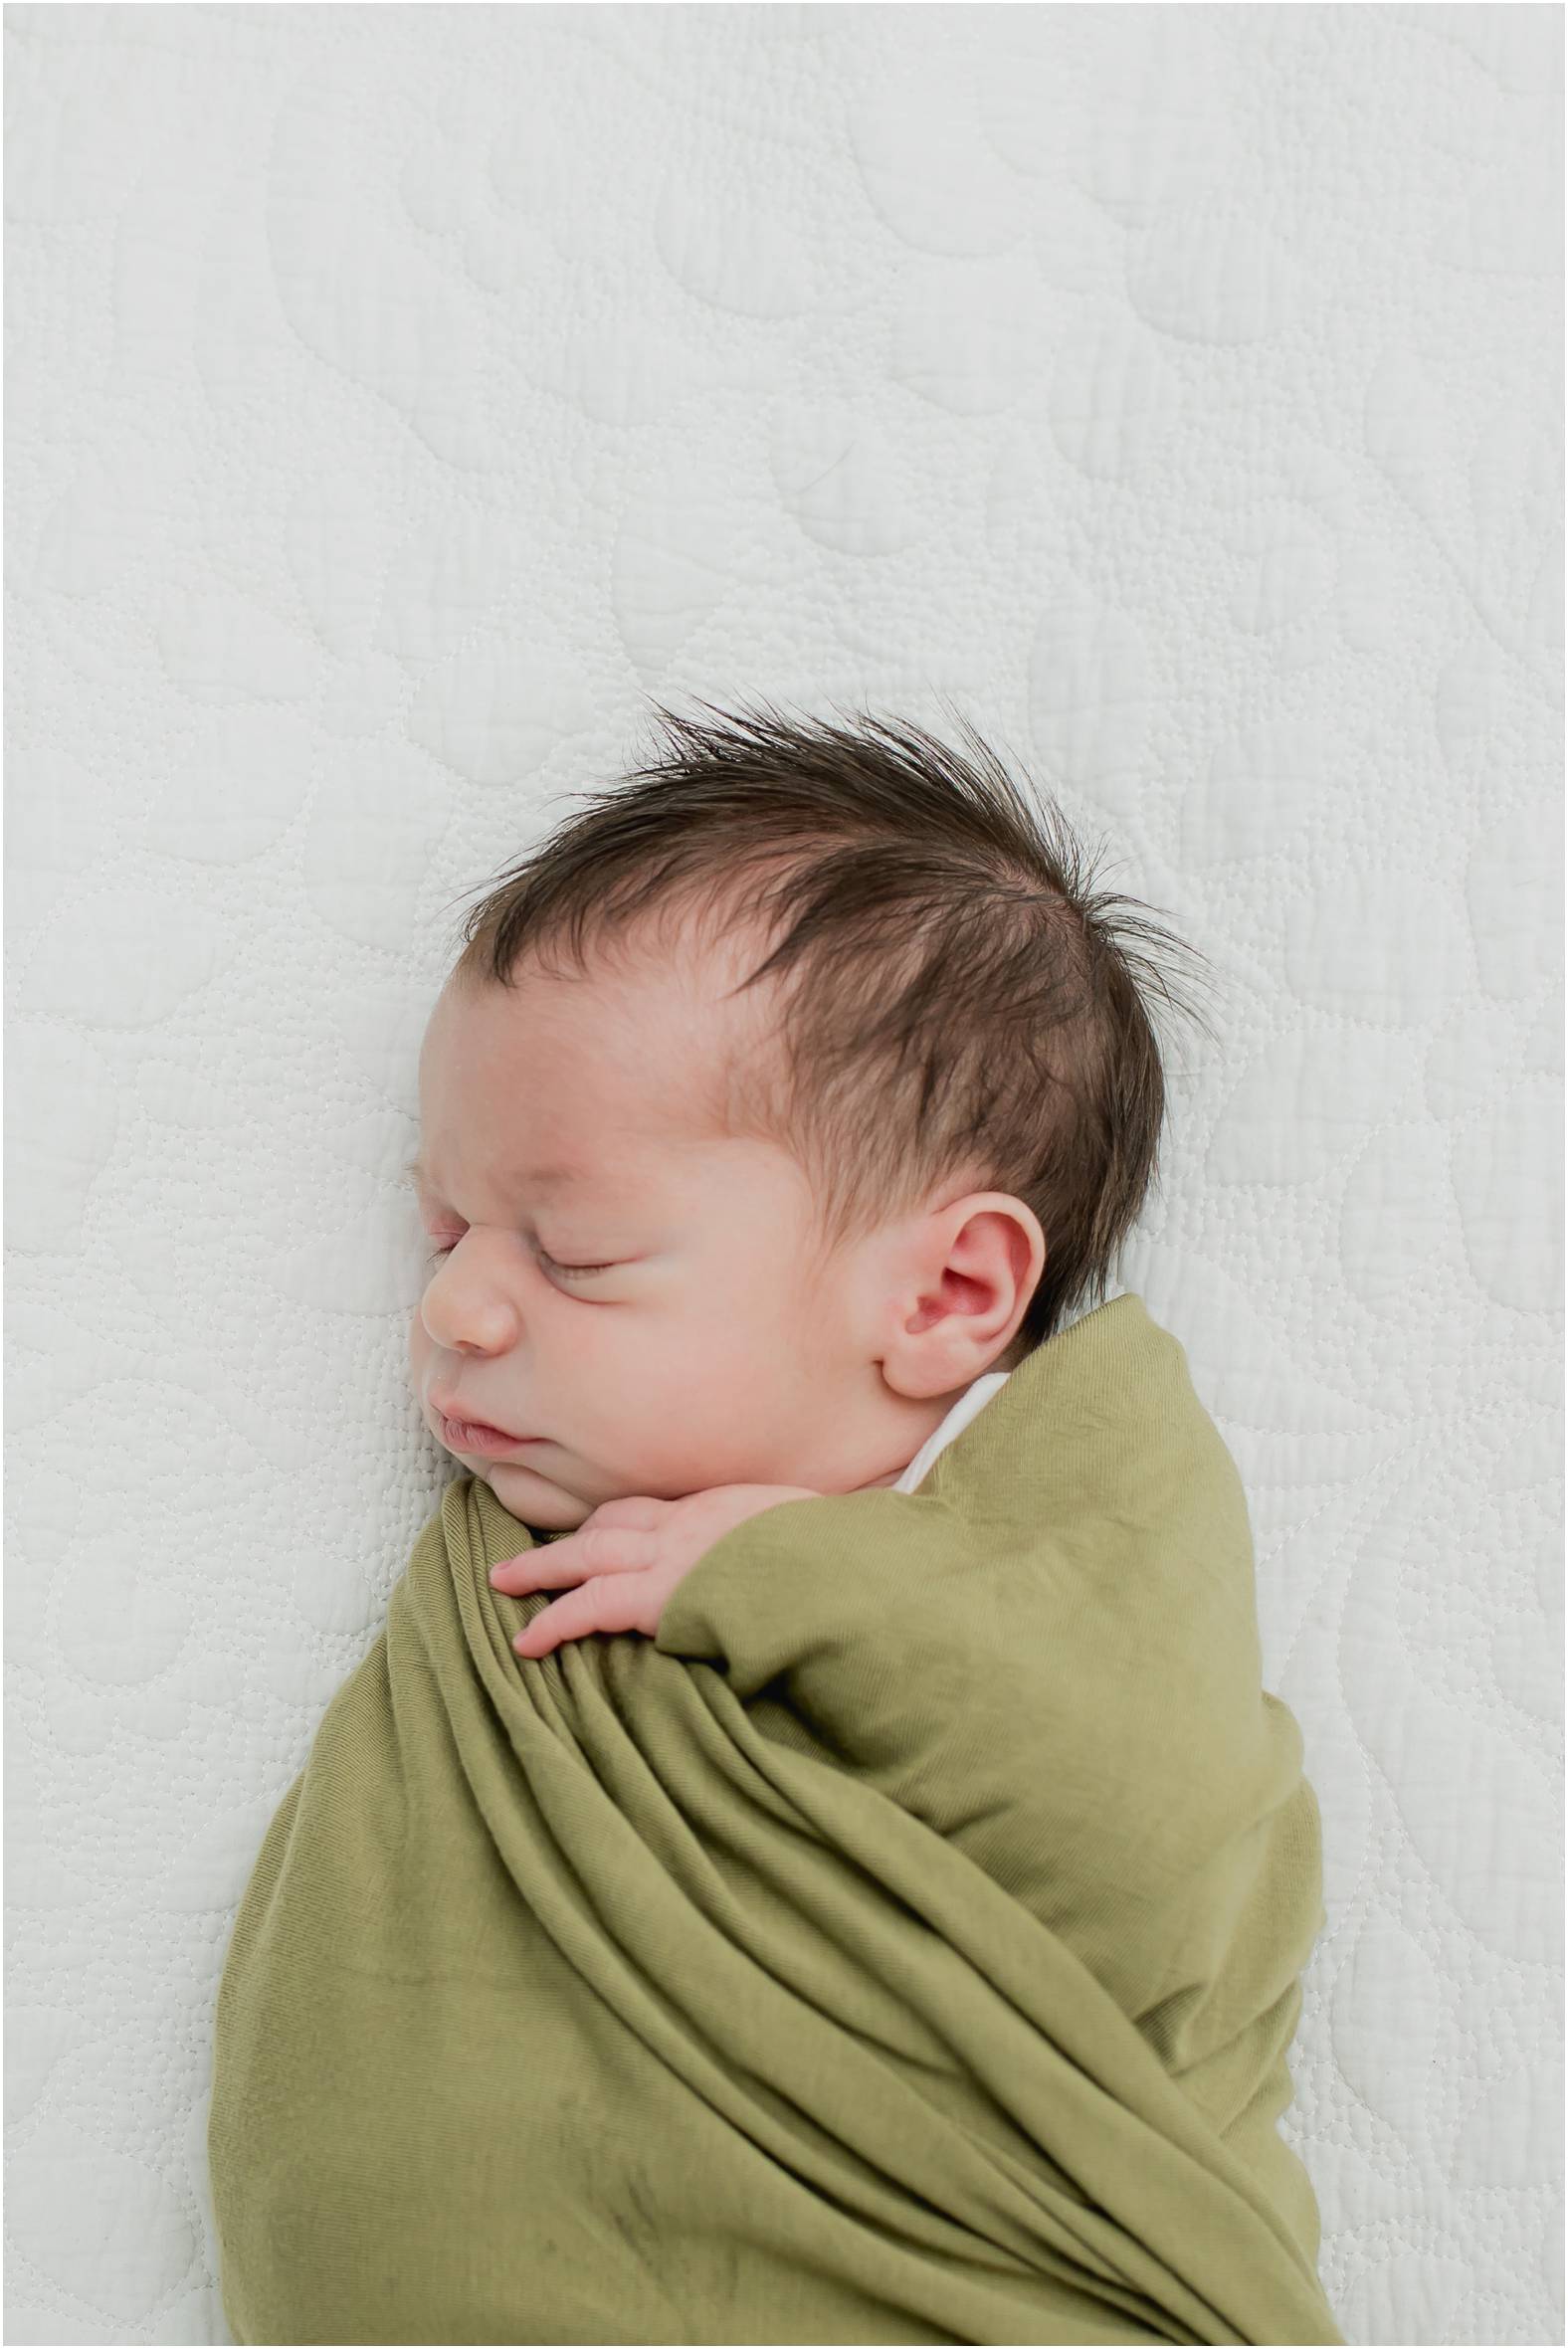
(626, 1558)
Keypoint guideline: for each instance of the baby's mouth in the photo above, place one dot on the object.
(476, 1436)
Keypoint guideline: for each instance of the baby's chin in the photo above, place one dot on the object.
(530, 1496)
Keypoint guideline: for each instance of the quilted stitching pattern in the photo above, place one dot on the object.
(394, 395)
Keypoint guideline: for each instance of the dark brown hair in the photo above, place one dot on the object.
(956, 1004)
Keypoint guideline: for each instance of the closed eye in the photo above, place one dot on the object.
(574, 1271)
(567, 1272)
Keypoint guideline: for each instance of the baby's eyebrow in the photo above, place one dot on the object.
(537, 1179)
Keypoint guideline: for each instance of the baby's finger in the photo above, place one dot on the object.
(592, 1549)
(610, 1603)
(541, 1569)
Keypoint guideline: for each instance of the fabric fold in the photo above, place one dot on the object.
(903, 1947)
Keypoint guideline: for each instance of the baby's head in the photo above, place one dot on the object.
(781, 1093)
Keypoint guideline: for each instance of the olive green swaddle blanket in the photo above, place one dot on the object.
(903, 1947)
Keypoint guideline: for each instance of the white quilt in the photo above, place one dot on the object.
(395, 397)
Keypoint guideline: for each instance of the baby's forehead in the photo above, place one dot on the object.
(570, 1074)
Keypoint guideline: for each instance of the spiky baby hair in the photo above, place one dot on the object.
(956, 1005)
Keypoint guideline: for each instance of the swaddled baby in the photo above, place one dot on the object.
(707, 1234)
(870, 1904)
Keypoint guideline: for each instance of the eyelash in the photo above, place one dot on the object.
(572, 1271)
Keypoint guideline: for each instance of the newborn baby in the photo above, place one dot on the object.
(900, 1939)
(700, 1244)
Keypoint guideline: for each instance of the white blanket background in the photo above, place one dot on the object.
(395, 397)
